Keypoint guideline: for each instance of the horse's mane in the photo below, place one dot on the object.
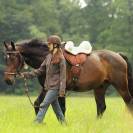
(33, 46)
(32, 43)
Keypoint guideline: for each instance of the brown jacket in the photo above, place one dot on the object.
(55, 73)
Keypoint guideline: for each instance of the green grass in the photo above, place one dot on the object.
(17, 115)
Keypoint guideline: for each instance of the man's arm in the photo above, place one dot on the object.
(35, 72)
(40, 70)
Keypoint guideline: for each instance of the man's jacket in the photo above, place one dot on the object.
(55, 73)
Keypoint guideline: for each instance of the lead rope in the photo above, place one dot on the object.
(27, 93)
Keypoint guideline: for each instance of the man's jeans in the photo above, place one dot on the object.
(50, 98)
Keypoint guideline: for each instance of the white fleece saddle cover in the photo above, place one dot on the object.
(84, 47)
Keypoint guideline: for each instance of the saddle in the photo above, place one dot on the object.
(76, 56)
(84, 47)
(75, 61)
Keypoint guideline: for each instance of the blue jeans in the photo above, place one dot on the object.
(50, 98)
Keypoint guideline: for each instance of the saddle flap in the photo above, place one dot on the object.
(75, 59)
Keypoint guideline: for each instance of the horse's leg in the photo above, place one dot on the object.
(39, 100)
(127, 98)
(62, 103)
(122, 88)
(100, 100)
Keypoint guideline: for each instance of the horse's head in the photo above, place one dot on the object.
(14, 62)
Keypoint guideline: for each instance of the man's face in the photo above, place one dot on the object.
(50, 46)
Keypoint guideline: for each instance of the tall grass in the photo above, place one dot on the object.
(17, 115)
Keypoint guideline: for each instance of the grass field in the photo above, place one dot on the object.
(17, 115)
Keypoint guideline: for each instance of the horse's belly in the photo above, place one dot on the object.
(82, 86)
(78, 87)
(90, 80)
(87, 86)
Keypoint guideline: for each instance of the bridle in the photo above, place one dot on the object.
(21, 59)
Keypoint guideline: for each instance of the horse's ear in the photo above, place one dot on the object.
(5, 44)
(13, 45)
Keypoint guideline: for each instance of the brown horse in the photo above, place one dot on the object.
(101, 69)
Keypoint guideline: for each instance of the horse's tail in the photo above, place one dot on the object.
(130, 76)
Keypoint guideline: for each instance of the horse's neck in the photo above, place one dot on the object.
(30, 58)
(33, 61)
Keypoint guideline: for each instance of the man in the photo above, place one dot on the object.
(55, 82)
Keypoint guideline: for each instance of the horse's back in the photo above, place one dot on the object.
(113, 63)
(111, 58)
(100, 66)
